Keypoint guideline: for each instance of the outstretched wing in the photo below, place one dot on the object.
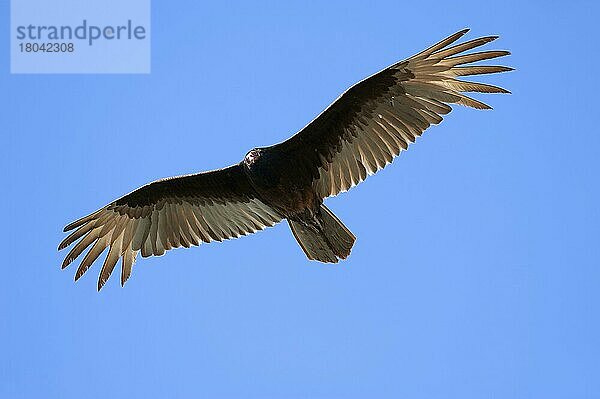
(368, 125)
(165, 214)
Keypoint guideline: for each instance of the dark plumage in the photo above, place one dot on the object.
(357, 135)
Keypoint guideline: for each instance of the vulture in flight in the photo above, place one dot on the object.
(357, 135)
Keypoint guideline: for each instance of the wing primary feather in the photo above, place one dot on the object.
(85, 242)
(474, 57)
(471, 102)
(440, 45)
(474, 87)
(82, 220)
(75, 235)
(459, 48)
(130, 231)
(110, 261)
(98, 247)
(478, 70)
(126, 265)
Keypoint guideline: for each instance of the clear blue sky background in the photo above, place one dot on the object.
(475, 273)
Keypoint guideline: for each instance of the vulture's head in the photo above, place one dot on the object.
(252, 156)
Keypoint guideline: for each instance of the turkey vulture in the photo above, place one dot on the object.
(357, 135)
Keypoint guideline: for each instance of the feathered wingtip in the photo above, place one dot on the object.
(441, 44)
(94, 230)
(436, 70)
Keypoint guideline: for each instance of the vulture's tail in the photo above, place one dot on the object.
(327, 240)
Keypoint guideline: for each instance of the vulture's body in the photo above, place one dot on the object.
(287, 188)
(357, 135)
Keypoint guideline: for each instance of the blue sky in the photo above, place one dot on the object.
(475, 273)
